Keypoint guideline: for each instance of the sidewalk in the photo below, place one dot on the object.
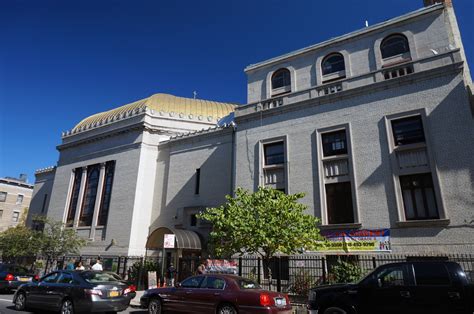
(136, 301)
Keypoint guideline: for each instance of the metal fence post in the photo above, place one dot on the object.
(323, 266)
(124, 271)
(240, 266)
(258, 269)
(278, 274)
(374, 262)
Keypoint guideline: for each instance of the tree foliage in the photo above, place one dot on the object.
(265, 222)
(19, 241)
(344, 272)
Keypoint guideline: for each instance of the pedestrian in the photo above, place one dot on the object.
(201, 268)
(80, 266)
(171, 275)
(70, 265)
(97, 265)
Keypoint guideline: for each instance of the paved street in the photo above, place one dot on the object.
(6, 306)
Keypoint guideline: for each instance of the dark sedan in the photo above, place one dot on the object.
(75, 291)
(215, 293)
(12, 276)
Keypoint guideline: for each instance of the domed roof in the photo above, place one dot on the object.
(167, 103)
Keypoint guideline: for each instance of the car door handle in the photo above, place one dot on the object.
(188, 292)
(405, 294)
(217, 294)
(454, 295)
(49, 292)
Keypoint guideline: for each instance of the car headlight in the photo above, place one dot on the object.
(312, 295)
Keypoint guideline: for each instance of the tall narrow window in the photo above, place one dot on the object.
(198, 181)
(106, 194)
(74, 197)
(281, 81)
(273, 166)
(418, 197)
(16, 216)
(394, 45)
(333, 63)
(44, 203)
(339, 203)
(19, 199)
(85, 218)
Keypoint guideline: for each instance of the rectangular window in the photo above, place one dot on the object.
(107, 193)
(418, 197)
(74, 197)
(90, 194)
(408, 131)
(3, 196)
(334, 143)
(44, 203)
(19, 199)
(193, 220)
(339, 203)
(16, 216)
(274, 153)
(428, 274)
(198, 181)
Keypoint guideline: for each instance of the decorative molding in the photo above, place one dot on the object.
(45, 170)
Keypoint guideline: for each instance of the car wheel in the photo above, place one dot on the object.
(67, 307)
(334, 310)
(20, 301)
(154, 307)
(227, 309)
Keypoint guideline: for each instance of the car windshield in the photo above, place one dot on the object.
(95, 277)
(248, 284)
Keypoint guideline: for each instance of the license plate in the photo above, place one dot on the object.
(114, 293)
(24, 279)
(280, 301)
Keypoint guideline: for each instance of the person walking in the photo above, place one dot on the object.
(171, 275)
(97, 265)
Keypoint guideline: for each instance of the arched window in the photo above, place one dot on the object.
(394, 45)
(333, 63)
(281, 79)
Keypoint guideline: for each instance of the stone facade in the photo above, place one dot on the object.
(171, 164)
(15, 198)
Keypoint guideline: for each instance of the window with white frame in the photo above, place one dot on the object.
(281, 82)
(338, 202)
(3, 196)
(333, 67)
(19, 199)
(274, 164)
(411, 163)
(15, 216)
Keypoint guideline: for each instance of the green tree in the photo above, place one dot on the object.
(265, 222)
(19, 241)
(56, 240)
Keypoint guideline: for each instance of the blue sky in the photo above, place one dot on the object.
(61, 61)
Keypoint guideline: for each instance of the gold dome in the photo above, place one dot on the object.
(167, 103)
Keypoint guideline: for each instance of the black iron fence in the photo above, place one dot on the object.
(290, 274)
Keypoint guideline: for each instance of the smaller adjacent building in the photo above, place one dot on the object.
(15, 198)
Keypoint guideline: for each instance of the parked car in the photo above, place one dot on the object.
(75, 291)
(215, 293)
(12, 276)
(408, 287)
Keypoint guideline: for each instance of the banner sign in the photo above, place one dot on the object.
(221, 266)
(152, 284)
(168, 242)
(344, 241)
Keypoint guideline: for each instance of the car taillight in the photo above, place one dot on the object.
(9, 277)
(36, 277)
(265, 300)
(93, 292)
(287, 299)
(131, 288)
